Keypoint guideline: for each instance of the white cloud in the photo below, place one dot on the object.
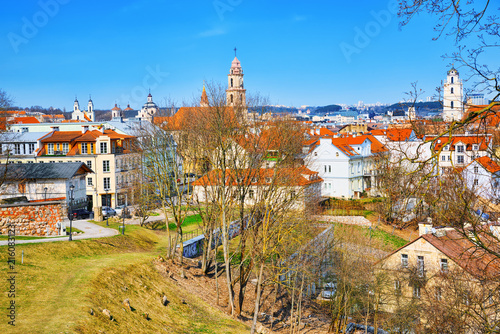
(212, 32)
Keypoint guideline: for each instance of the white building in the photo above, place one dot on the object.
(83, 115)
(346, 164)
(483, 178)
(148, 110)
(453, 108)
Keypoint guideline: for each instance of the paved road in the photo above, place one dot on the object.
(90, 231)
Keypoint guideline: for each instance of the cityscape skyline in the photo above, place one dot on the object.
(295, 53)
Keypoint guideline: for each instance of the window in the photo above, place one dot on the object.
(460, 159)
(85, 148)
(451, 79)
(460, 149)
(475, 147)
(325, 168)
(31, 148)
(476, 182)
(416, 291)
(89, 181)
(476, 169)
(250, 194)
(420, 265)
(329, 169)
(106, 182)
(105, 166)
(449, 157)
(231, 82)
(397, 287)
(315, 154)
(336, 154)
(50, 148)
(89, 164)
(451, 104)
(404, 260)
(104, 148)
(439, 293)
(17, 148)
(23, 130)
(65, 148)
(443, 264)
(451, 91)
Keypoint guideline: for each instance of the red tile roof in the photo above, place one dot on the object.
(468, 141)
(300, 176)
(24, 120)
(488, 164)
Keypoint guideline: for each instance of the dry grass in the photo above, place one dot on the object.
(56, 283)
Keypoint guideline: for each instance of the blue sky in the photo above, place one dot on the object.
(294, 52)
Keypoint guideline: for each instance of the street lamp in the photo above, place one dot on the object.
(71, 187)
(123, 216)
(107, 211)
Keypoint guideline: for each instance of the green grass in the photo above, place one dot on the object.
(59, 282)
(389, 242)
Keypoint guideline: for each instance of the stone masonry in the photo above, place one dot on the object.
(33, 219)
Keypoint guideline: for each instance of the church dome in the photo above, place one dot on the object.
(116, 107)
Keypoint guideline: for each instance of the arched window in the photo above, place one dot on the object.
(452, 90)
(231, 82)
(451, 79)
(451, 103)
(231, 98)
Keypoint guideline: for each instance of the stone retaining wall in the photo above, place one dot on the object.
(33, 219)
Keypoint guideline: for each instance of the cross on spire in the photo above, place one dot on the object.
(235, 52)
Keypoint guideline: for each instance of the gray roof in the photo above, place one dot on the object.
(55, 170)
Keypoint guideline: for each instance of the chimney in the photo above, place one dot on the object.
(425, 227)
(85, 128)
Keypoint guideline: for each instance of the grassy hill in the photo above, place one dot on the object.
(60, 282)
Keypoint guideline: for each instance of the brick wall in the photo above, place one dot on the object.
(36, 219)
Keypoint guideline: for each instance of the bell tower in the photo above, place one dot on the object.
(235, 93)
(90, 109)
(453, 108)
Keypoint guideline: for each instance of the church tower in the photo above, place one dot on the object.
(453, 108)
(90, 109)
(235, 93)
(116, 112)
(204, 98)
(76, 106)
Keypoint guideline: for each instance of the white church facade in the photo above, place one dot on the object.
(83, 115)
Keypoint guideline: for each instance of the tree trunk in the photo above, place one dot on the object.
(257, 299)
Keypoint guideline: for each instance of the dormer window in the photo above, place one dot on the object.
(460, 148)
(475, 147)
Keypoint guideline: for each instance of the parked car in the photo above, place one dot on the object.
(80, 214)
(108, 212)
(120, 209)
(329, 290)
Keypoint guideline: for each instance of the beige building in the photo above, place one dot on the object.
(444, 271)
(106, 152)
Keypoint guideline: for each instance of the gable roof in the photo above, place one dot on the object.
(488, 164)
(56, 170)
(473, 259)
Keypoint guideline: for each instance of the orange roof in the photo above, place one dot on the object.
(489, 115)
(397, 134)
(24, 120)
(300, 176)
(469, 140)
(488, 164)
